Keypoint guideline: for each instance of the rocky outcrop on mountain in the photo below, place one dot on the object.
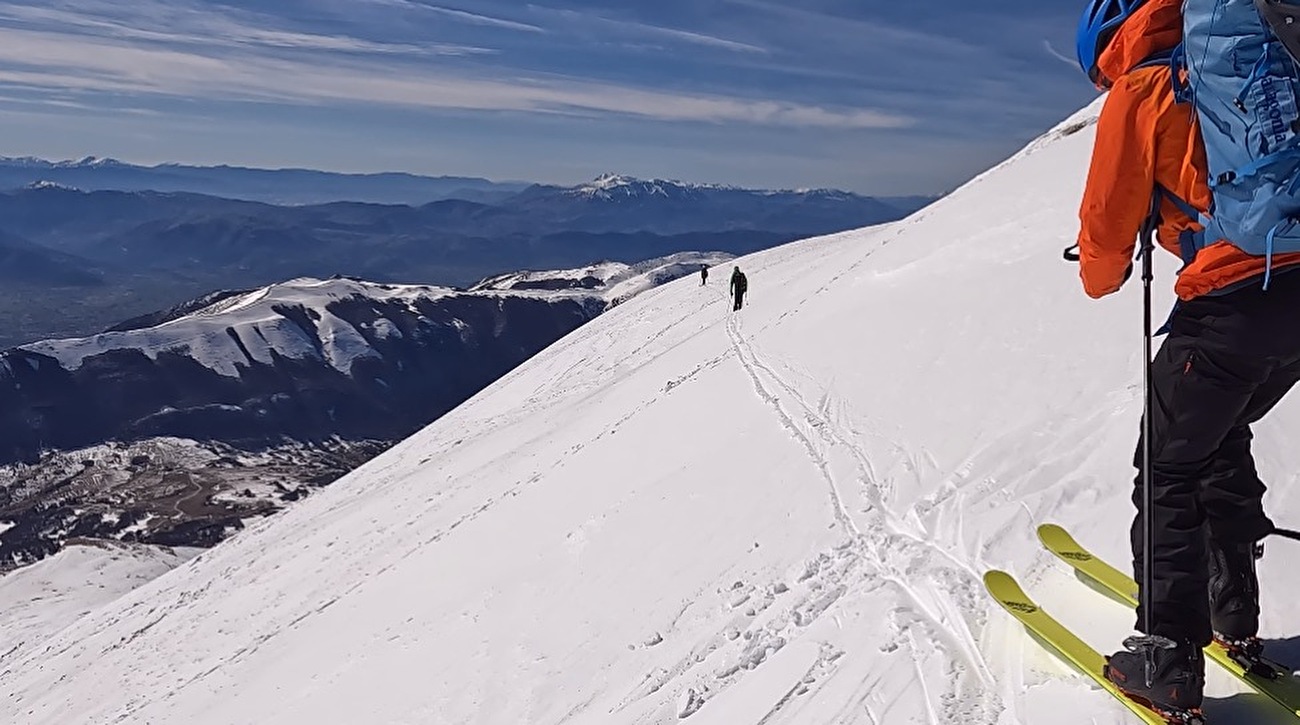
(163, 491)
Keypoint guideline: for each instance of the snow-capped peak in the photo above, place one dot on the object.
(89, 162)
(823, 192)
(25, 161)
(40, 185)
(85, 162)
(610, 181)
(620, 186)
(617, 186)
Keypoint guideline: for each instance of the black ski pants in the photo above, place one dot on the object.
(739, 296)
(1227, 361)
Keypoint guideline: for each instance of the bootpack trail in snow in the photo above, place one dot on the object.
(678, 513)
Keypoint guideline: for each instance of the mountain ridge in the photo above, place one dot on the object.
(304, 186)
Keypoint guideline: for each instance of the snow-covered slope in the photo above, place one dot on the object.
(46, 597)
(776, 517)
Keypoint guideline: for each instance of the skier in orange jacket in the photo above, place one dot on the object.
(1233, 352)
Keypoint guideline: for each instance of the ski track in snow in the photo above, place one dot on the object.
(823, 439)
(758, 372)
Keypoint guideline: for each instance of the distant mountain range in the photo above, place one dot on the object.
(73, 261)
(275, 186)
(308, 186)
(451, 241)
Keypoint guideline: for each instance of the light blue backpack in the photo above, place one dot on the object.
(1244, 79)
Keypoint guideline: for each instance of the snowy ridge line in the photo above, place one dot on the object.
(615, 282)
(233, 304)
(298, 319)
(609, 185)
(248, 328)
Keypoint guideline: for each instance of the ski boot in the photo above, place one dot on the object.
(1234, 604)
(1234, 590)
(1177, 677)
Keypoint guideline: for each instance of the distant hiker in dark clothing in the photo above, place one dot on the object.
(739, 285)
(704, 275)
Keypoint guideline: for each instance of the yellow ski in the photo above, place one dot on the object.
(1281, 687)
(1053, 635)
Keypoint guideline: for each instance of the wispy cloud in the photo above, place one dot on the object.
(461, 15)
(648, 30)
(689, 37)
(164, 25)
(56, 61)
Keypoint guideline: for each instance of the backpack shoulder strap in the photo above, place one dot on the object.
(1184, 206)
(1178, 75)
(1189, 242)
(1175, 59)
(1159, 59)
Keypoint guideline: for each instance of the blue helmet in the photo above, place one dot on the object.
(1096, 28)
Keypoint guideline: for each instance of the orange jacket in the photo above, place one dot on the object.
(1144, 138)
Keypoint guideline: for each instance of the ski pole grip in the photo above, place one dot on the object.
(1071, 253)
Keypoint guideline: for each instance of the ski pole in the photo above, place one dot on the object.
(1148, 491)
(1286, 534)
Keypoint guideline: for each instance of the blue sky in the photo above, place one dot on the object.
(879, 97)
